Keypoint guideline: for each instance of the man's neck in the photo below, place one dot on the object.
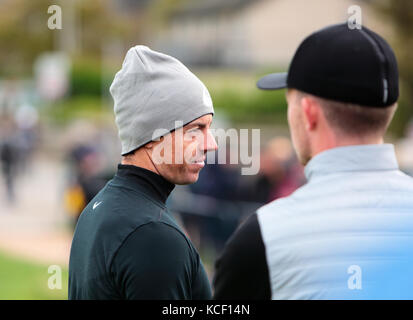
(140, 159)
(345, 141)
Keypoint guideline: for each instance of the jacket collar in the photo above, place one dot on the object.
(150, 182)
(372, 157)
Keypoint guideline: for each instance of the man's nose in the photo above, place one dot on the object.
(209, 142)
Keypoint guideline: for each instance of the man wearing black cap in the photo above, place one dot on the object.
(347, 233)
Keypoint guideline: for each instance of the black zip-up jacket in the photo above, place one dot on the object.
(128, 246)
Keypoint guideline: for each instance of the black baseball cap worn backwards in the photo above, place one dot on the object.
(338, 63)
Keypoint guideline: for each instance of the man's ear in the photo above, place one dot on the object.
(311, 112)
(151, 144)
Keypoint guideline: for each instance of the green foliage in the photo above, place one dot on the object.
(399, 13)
(262, 106)
(21, 280)
(86, 79)
(236, 95)
(80, 107)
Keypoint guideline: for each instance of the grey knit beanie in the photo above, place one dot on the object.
(154, 91)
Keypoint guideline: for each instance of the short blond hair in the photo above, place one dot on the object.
(353, 119)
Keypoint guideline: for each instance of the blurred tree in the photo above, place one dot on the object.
(24, 33)
(23, 36)
(161, 10)
(100, 23)
(400, 15)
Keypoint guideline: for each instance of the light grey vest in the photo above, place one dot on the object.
(347, 233)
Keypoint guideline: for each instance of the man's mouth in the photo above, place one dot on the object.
(200, 161)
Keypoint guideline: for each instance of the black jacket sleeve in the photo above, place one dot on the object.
(242, 272)
(156, 262)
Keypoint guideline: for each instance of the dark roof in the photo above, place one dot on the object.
(202, 7)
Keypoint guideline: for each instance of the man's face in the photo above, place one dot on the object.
(184, 151)
(296, 123)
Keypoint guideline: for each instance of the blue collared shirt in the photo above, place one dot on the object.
(347, 233)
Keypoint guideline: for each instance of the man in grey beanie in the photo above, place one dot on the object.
(126, 244)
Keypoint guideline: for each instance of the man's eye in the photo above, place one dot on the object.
(193, 134)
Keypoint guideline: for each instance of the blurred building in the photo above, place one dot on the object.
(250, 33)
(126, 5)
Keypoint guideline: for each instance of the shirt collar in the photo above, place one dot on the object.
(372, 157)
(153, 184)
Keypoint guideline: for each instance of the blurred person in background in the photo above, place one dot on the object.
(280, 173)
(126, 244)
(26, 118)
(87, 179)
(212, 208)
(11, 152)
(347, 233)
(217, 203)
(9, 155)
